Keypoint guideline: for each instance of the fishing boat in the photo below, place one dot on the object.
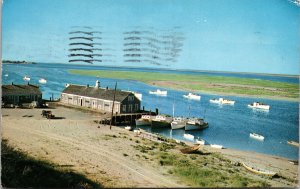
(259, 105)
(293, 143)
(200, 141)
(257, 136)
(159, 92)
(190, 150)
(222, 101)
(216, 146)
(195, 124)
(42, 81)
(144, 120)
(192, 96)
(259, 171)
(26, 78)
(188, 136)
(161, 121)
(178, 123)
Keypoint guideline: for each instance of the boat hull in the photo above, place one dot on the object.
(142, 122)
(177, 125)
(160, 124)
(189, 127)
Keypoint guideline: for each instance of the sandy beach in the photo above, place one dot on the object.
(109, 157)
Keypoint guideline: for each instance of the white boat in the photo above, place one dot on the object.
(216, 146)
(67, 85)
(257, 136)
(222, 101)
(159, 92)
(42, 81)
(195, 124)
(259, 105)
(6, 75)
(161, 121)
(188, 136)
(192, 96)
(200, 141)
(178, 123)
(26, 78)
(144, 120)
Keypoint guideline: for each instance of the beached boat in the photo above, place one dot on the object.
(188, 136)
(42, 81)
(178, 123)
(259, 105)
(257, 136)
(258, 171)
(26, 78)
(161, 121)
(190, 150)
(200, 141)
(159, 92)
(222, 101)
(293, 143)
(195, 124)
(144, 120)
(216, 146)
(192, 96)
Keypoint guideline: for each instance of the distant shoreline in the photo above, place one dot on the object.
(181, 70)
(16, 62)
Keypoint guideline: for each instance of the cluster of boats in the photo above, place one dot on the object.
(222, 101)
(162, 121)
(41, 80)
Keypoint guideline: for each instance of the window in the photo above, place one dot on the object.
(130, 98)
(136, 106)
(130, 108)
(124, 108)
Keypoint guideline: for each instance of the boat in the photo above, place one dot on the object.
(257, 136)
(161, 121)
(222, 101)
(26, 78)
(200, 141)
(188, 136)
(144, 120)
(159, 92)
(42, 81)
(259, 171)
(178, 123)
(216, 146)
(293, 143)
(192, 96)
(195, 124)
(190, 150)
(259, 105)
(6, 75)
(67, 85)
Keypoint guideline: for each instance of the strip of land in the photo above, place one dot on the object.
(220, 85)
(118, 158)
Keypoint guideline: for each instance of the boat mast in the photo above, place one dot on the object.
(112, 110)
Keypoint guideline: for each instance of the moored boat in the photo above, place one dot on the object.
(192, 96)
(26, 78)
(42, 81)
(259, 105)
(159, 92)
(144, 120)
(216, 146)
(257, 136)
(178, 123)
(293, 143)
(258, 171)
(222, 101)
(200, 141)
(188, 136)
(161, 121)
(195, 124)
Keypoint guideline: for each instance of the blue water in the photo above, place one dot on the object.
(228, 125)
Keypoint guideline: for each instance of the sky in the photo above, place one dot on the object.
(260, 36)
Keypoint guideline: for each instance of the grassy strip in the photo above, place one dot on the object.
(199, 169)
(22, 171)
(245, 86)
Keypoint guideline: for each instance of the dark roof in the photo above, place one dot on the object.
(106, 94)
(20, 89)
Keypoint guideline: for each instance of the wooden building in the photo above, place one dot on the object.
(17, 95)
(100, 99)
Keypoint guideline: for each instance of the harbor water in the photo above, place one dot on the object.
(229, 125)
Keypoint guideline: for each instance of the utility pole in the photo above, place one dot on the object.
(112, 110)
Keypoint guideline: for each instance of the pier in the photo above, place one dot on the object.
(126, 119)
